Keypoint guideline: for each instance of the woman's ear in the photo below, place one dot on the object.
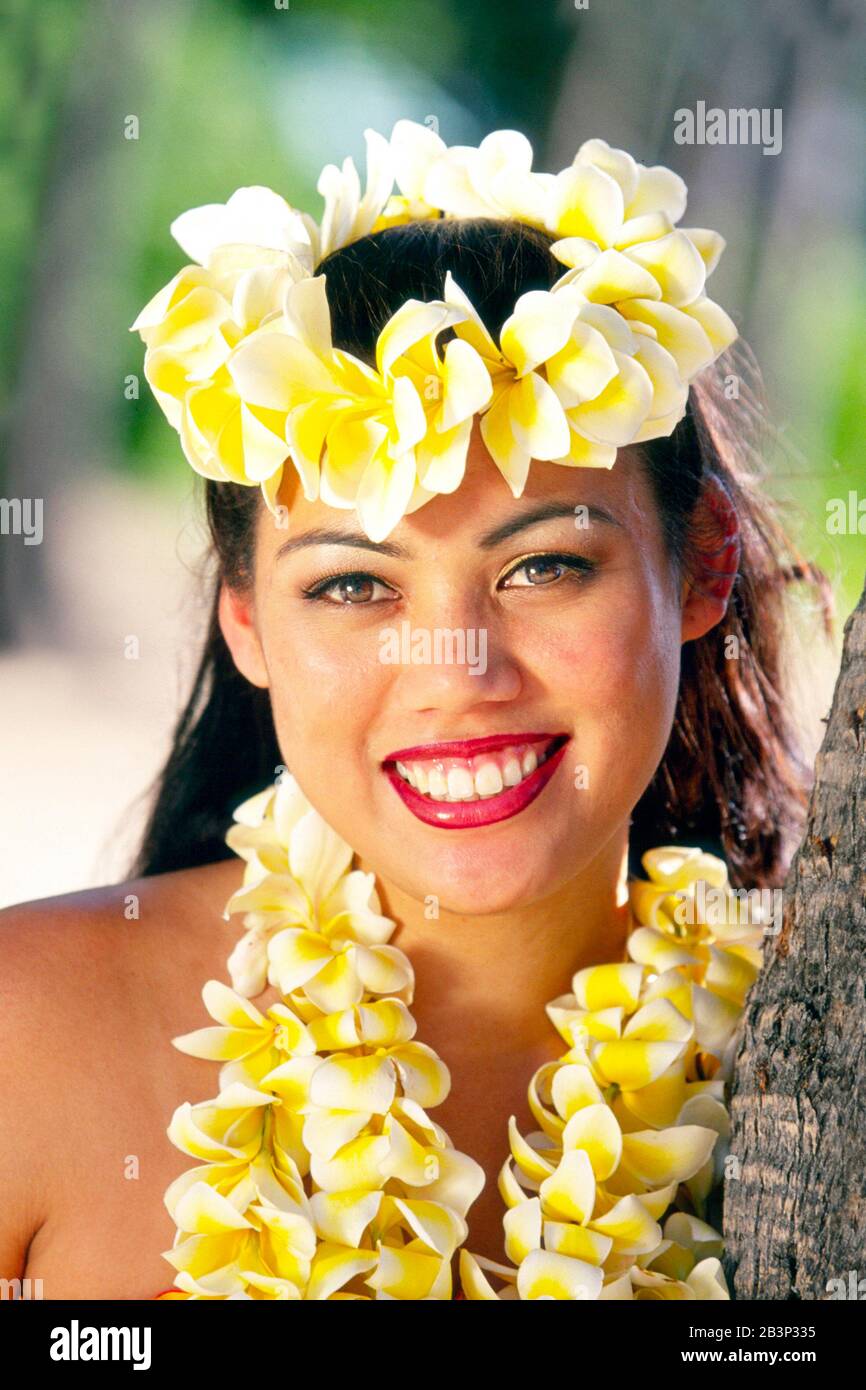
(715, 560)
(236, 624)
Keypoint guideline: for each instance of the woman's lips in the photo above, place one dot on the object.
(452, 763)
(466, 747)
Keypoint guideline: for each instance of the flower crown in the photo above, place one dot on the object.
(241, 359)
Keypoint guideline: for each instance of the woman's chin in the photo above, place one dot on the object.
(473, 883)
(481, 870)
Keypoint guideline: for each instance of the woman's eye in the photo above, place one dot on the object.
(539, 570)
(346, 589)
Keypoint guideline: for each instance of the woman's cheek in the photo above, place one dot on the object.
(323, 686)
(618, 673)
(596, 655)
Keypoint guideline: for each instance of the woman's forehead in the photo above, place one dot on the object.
(484, 501)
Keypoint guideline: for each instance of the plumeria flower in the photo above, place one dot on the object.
(453, 386)
(348, 214)
(248, 251)
(612, 218)
(722, 956)
(603, 203)
(191, 329)
(371, 1146)
(315, 924)
(525, 418)
(636, 1048)
(562, 1252)
(227, 1129)
(350, 1088)
(546, 1276)
(354, 429)
(599, 1191)
(240, 358)
(263, 826)
(254, 218)
(320, 1173)
(705, 1283)
(492, 180)
(615, 223)
(249, 1042)
(617, 383)
(414, 150)
(334, 964)
(419, 1239)
(596, 1163)
(257, 1235)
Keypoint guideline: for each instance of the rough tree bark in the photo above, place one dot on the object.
(795, 1211)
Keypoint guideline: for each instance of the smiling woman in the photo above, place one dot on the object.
(477, 819)
(660, 515)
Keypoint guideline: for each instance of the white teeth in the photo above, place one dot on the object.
(488, 780)
(437, 786)
(511, 773)
(476, 778)
(460, 784)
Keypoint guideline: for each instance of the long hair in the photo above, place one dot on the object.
(731, 779)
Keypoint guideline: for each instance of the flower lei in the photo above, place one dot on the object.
(240, 354)
(321, 1174)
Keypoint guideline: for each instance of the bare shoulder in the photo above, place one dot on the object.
(53, 948)
(92, 984)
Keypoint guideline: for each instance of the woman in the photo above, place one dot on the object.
(618, 687)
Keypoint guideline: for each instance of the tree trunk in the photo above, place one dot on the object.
(795, 1202)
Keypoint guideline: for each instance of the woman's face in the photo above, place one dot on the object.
(548, 626)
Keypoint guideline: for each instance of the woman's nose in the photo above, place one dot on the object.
(450, 664)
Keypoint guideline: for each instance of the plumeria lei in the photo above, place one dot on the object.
(240, 355)
(320, 1174)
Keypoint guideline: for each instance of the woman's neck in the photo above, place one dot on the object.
(484, 979)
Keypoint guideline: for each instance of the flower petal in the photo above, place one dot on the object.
(614, 415)
(544, 1274)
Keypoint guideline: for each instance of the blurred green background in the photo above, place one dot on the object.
(232, 92)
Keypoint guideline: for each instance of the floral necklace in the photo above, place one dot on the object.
(321, 1174)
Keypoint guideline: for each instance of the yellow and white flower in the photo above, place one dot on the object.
(360, 436)
(314, 923)
(240, 355)
(319, 1173)
(348, 214)
(647, 1042)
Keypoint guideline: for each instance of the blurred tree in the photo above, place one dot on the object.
(36, 47)
(504, 61)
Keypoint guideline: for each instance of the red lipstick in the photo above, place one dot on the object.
(467, 815)
(466, 747)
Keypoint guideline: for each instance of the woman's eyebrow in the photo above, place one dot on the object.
(548, 511)
(325, 535)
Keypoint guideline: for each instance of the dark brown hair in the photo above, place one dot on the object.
(732, 779)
